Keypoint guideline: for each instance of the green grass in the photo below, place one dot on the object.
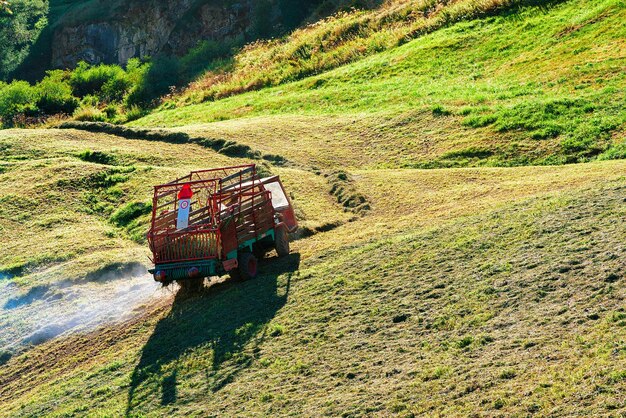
(542, 86)
(50, 183)
(451, 290)
(422, 290)
(443, 310)
(335, 41)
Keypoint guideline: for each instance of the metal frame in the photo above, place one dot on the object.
(237, 194)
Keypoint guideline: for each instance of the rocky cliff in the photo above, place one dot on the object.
(113, 31)
(148, 28)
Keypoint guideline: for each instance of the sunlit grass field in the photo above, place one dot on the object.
(452, 286)
(541, 86)
(469, 282)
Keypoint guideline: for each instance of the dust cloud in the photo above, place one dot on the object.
(50, 310)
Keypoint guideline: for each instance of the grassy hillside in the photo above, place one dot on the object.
(342, 38)
(490, 290)
(540, 86)
(64, 192)
(462, 289)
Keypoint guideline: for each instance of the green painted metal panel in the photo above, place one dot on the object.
(178, 271)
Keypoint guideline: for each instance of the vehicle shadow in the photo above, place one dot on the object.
(226, 321)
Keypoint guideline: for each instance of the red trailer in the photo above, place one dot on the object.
(217, 221)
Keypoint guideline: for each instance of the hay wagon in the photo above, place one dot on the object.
(217, 221)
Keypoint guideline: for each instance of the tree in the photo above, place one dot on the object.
(21, 22)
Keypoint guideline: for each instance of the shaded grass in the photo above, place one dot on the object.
(226, 147)
(228, 319)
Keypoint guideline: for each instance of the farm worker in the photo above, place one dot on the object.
(184, 202)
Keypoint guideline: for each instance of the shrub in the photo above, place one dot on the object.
(89, 93)
(199, 58)
(15, 98)
(54, 94)
(110, 111)
(104, 81)
(18, 31)
(116, 88)
(90, 100)
(136, 70)
(158, 79)
(134, 112)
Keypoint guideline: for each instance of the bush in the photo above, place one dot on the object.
(133, 113)
(54, 94)
(105, 81)
(18, 31)
(92, 93)
(115, 89)
(110, 111)
(136, 70)
(90, 100)
(17, 98)
(158, 79)
(199, 58)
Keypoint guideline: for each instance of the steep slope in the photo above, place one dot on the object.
(541, 86)
(98, 31)
(490, 291)
(426, 307)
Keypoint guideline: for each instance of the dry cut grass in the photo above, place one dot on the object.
(499, 297)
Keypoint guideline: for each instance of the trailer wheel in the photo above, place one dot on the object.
(248, 267)
(259, 251)
(281, 242)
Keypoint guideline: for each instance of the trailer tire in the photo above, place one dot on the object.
(259, 251)
(281, 242)
(248, 267)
